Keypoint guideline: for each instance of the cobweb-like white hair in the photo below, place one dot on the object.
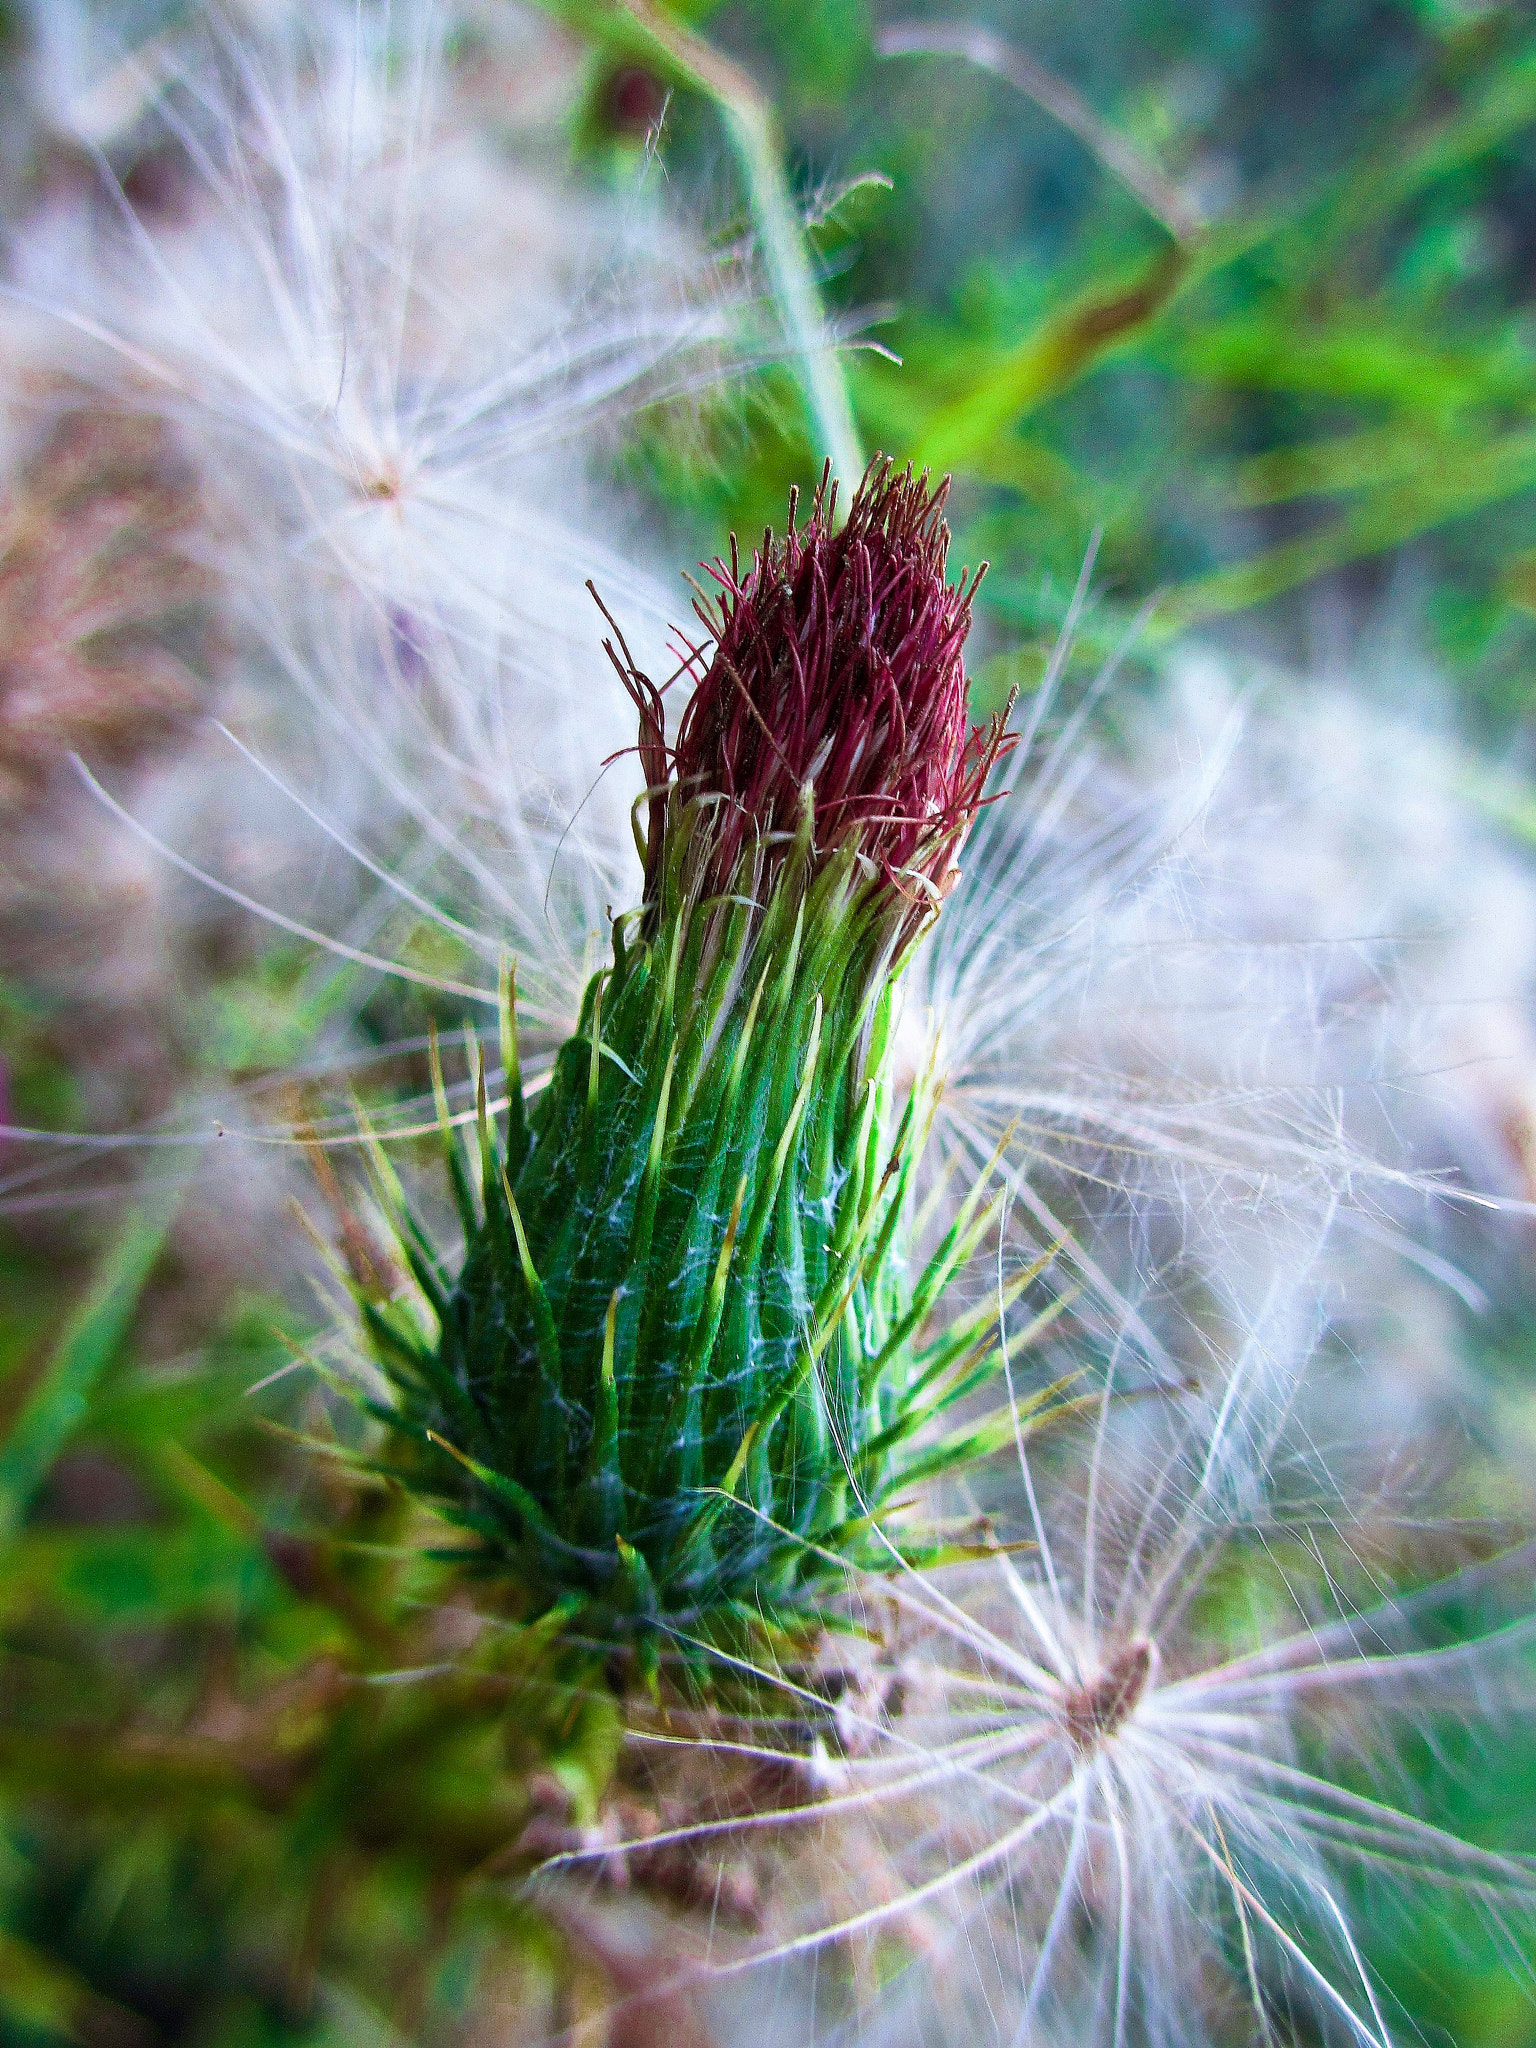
(1128, 1781)
(1252, 977)
(397, 354)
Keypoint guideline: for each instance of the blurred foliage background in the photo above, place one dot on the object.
(1246, 289)
(1266, 325)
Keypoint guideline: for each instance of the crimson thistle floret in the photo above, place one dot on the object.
(682, 1361)
(831, 681)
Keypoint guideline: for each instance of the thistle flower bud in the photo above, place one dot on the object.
(680, 1364)
(833, 705)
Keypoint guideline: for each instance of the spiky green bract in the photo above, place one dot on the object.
(680, 1367)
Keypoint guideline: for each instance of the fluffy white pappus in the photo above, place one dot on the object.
(1353, 828)
(395, 348)
(396, 351)
(391, 350)
(1141, 1776)
(350, 273)
(1257, 968)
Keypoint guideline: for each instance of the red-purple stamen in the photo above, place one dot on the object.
(833, 676)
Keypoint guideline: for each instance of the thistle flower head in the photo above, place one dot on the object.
(683, 1362)
(831, 695)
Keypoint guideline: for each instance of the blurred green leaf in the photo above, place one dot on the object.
(41, 1996)
(57, 1401)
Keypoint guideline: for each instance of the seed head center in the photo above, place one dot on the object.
(1100, 1707)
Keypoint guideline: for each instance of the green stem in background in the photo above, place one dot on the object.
(53, 1409)
(1450, 483)
(684, 58)
(1131, 167)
